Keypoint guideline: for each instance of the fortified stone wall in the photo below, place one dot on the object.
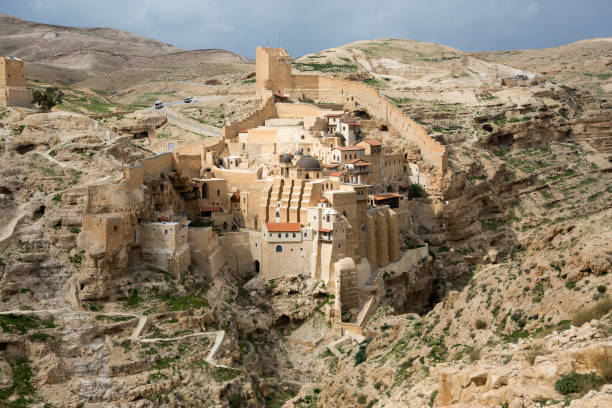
(357, 94)
(257, 118)
(273, 69)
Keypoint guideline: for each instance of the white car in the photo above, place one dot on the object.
(159, 105)
(188, 99)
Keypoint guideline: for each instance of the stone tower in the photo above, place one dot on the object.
(273, 69)
(13, 90)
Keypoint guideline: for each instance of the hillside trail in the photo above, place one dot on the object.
(7, 230)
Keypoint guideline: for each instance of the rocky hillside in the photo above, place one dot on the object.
(586, 63)
(510, 308)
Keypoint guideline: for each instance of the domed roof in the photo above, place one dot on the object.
(324, 200)
(330, 211)
(308, 163)
(285, 158)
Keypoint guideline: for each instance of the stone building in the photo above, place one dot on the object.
(13, 87)
(280, 195)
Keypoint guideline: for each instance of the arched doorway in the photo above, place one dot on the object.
(257, 266)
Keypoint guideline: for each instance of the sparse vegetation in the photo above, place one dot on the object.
(597, 311)
(324, 67)
(574, 383)
(532, 353)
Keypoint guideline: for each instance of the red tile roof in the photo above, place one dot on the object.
(325, 230)
(330, 166)
(283, 226)
(372, 142)
(336, 173)
(334, 115)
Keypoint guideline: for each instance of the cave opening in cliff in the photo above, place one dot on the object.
(25, 148)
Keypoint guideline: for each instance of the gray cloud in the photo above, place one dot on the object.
(303, 27)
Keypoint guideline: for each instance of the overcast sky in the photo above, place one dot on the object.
(304, 26)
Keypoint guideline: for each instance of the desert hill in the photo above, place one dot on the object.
(35, 41)
(586, 63)
(104, 58)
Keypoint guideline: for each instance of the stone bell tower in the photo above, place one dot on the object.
(273, 70)
(13, 87)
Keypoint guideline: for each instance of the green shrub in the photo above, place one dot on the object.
(474, 355)
(235, 401)
(222, 374)
(416, 191)
(40, 337)
(597, 311)
(570, 285)
(432, 397)
(574, 383)
(22, 387)
(360, 356)
(48, 98)
(602, 288)
(132, 300)
(480, 324)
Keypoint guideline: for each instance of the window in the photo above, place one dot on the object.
(279, 248)
(286, 235)
(115, 228)
(218, 193)
(165, 232)
(305, 234)
(279, 235)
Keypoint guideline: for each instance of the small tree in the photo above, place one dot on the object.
(48, 98)
(341, 136)
(416, 191)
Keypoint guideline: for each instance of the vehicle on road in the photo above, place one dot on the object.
(159, 105)
(187, 99)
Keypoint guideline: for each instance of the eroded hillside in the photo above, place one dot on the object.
(512, 297)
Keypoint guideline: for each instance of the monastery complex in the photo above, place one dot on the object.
(293, 189)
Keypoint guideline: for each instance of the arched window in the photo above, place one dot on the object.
(279, 248)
